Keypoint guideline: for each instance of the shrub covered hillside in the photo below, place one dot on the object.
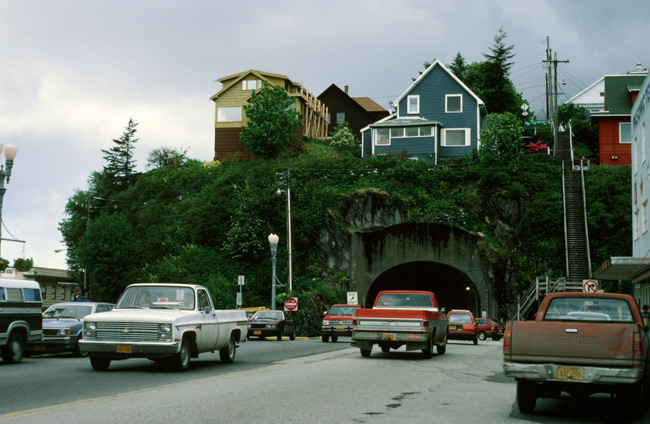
(207, 223)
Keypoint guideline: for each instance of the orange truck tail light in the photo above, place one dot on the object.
(507, 339)
(638, 343)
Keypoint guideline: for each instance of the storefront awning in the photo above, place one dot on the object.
(623, 268)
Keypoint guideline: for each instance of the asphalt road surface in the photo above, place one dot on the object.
(301, 381)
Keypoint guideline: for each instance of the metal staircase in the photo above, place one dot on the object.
(576, 234)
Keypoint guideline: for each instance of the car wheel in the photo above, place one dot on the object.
(481, 335)
(325, 338)
(13, 352)
(335, 339)
(427, 352)
(496, 338)
(475, 341)
(99, 364)
(293, 335)
(181, 360)
(526, 396)
(365, 352)
(227, 354)
(441, 348)
(76, 351)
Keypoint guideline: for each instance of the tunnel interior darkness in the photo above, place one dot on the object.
(448, 284)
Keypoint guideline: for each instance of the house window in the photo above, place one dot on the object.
(644, 222)
(624, 132)
(229, 114)
(382, 137)
(53, 292)
(413, 104)
(412, 131)
(635, 224)
(396, 132)
(329, 118)
(453, 103)
(251, 84)
(63, 293)
(340, 117)
(455, 137)
(426, 131)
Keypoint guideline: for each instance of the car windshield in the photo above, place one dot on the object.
(496, 321)
(460, 318)
(342, 310)
(404, 300)
(157, 297)
(68, 311)
(268, 315)
(588, 309)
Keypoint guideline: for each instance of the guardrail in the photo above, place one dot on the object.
(540, 288)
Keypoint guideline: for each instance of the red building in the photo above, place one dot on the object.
(614, 126)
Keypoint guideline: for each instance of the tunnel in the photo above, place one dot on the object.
(452, 288)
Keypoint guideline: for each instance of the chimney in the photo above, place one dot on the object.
(346, 89)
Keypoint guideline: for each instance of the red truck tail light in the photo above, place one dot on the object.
(638, 343)
(425, 323)
(507, 338)
(354, 321)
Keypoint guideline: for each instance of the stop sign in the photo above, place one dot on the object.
(291, 304)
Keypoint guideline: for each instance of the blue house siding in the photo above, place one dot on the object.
(433, 90)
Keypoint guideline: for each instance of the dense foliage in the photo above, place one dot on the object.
(208, 223)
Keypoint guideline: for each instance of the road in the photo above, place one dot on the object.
(289, 382)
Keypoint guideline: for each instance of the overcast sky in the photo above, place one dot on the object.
(72, 72)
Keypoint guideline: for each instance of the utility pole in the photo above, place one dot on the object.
(552, 90)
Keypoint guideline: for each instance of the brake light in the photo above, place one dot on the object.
(507, 339)
(425, 324)
(638, 343)
(354, 321)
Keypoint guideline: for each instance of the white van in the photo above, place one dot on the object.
(21, 318)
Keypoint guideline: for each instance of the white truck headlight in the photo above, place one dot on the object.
(90, 329)
(165, 331)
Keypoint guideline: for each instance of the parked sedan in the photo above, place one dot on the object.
(272, 324)
(62, 323)
(490, 327)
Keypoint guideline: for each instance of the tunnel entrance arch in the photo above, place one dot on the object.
(421, 256)
(453, 289)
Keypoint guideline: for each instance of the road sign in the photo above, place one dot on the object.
(590, 286)
(353, 298)
(240, 280)
(291, 304)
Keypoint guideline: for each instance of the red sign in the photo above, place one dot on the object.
(291, 304)
(590, 286)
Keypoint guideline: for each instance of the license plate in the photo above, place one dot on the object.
(257, 333)
(340, 330)
(124, 349)
(453, 327)
(570, 373)
(40, 348)
(389, 337)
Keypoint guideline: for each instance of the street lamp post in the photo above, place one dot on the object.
(10, 154)
(273, 242)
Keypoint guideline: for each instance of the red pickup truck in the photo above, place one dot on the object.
(398, 318)
(581, 344)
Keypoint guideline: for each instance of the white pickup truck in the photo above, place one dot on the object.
(165, 323)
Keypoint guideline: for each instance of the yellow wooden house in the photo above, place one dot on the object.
(236, 92)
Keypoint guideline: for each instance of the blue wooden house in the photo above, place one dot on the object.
(437, 117)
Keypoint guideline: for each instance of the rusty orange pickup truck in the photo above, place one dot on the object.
(580, 344)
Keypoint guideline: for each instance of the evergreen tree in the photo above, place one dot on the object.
(458, 67)
(498, 91)
(119, 171)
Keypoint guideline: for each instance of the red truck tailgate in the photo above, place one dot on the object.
(573, 343)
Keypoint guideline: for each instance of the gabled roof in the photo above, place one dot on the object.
(368, 104)
(435, 64)
(230, 80)
(618, 89)
(590, 95)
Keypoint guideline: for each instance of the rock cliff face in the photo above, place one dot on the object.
(361, 210)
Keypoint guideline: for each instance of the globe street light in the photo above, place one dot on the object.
(10, 154)
(273, 242)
